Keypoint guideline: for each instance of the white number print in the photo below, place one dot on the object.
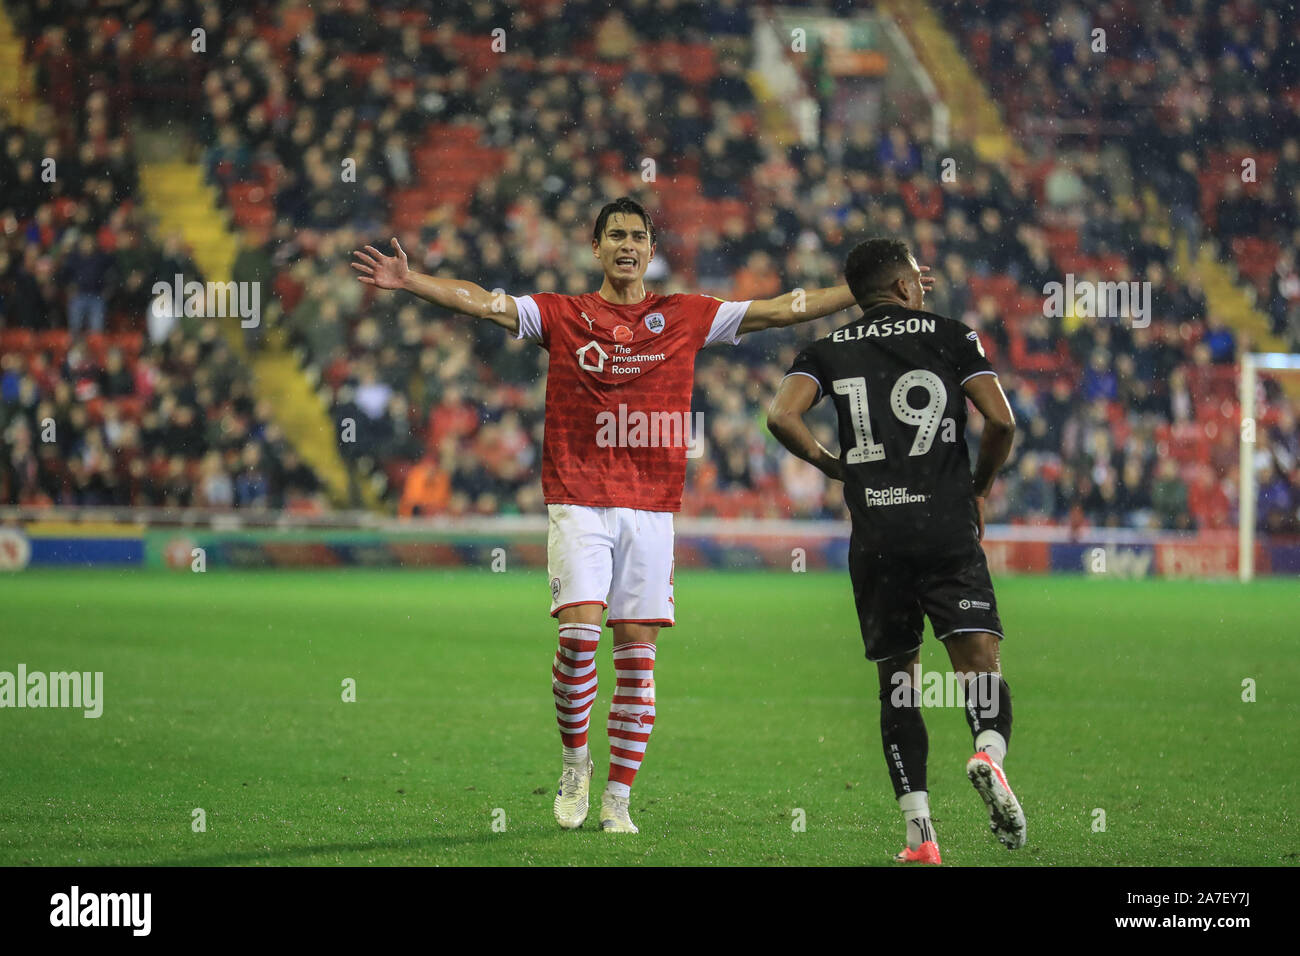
(926, 418)
(866, 448)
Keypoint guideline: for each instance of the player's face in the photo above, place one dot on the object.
(915, 291)
(624, 249)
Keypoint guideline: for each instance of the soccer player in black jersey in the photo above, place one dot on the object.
(899, 378)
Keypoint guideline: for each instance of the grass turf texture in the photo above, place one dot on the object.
(223, 691)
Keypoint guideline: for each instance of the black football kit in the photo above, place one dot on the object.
(895, 377)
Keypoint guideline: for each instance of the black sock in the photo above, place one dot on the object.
(902, 730)
(988, 705)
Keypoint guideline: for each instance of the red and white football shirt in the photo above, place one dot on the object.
(618, 393)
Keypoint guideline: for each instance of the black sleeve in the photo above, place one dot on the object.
(967, 353)
(806, 363)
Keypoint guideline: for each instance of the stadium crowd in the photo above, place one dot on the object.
(1120, 425)
(104, 401)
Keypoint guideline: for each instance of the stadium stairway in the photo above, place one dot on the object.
(17, 96)
(1225, 296)
(179, 199)
(975, 117)
(1231, 300)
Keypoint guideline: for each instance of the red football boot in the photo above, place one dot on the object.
(927, 852)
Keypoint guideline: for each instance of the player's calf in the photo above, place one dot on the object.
(631, 720)
(988, 713)
(907, 745)
(573, 684)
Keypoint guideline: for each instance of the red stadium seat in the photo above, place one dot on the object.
(56, 342)
(242, 194)
(129, 342)
(17, 340)
(1256, 258)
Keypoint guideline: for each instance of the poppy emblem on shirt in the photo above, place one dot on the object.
(622, 333)
(655, 322)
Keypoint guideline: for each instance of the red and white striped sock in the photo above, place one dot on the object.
(631, 714)
(573, 682)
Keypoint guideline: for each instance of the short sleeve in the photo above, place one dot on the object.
(805, 363)
(969, 357)
(726, 323)
(530, 319)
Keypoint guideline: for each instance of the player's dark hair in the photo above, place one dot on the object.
(628, 206)
(874, 264)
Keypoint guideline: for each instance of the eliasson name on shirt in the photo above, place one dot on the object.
(882, 329)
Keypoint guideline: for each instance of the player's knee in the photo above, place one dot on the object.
(630, 633)
(581, 614)
(899, 694)
(973, 653)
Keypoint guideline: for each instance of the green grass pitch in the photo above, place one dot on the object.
(223, 691)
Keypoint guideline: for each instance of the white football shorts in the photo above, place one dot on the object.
(620, 558)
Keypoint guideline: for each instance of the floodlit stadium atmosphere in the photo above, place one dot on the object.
(407, 406)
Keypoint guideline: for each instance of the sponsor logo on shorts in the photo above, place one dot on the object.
(555, 589)
(883, 497)
(966, 604)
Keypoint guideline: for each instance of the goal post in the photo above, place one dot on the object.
(1247, 493)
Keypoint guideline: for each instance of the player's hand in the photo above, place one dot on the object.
(927, 281)
(381, 271)
(979, 511)
(833, 468)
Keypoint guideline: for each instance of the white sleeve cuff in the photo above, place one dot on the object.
(807, 375)
(726, 323)
(530, 318)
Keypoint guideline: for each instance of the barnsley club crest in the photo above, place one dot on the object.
(655, 322)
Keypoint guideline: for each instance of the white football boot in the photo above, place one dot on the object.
(1006, 818)
(573, 796)
(614, 816)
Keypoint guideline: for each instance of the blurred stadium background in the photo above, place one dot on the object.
(765, 140)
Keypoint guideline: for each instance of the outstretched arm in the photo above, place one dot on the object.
(393, 272)
(801, 306)
(785, 421)
(794, 307)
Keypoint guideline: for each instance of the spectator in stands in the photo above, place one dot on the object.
(898, 154)
(86, 271)
(216, 490)
(427, 490)
(252, 490)
(1169, 497)
(1221, 342)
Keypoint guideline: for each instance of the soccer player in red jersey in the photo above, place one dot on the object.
(618, 395)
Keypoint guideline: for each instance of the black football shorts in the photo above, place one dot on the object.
(895, 592)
